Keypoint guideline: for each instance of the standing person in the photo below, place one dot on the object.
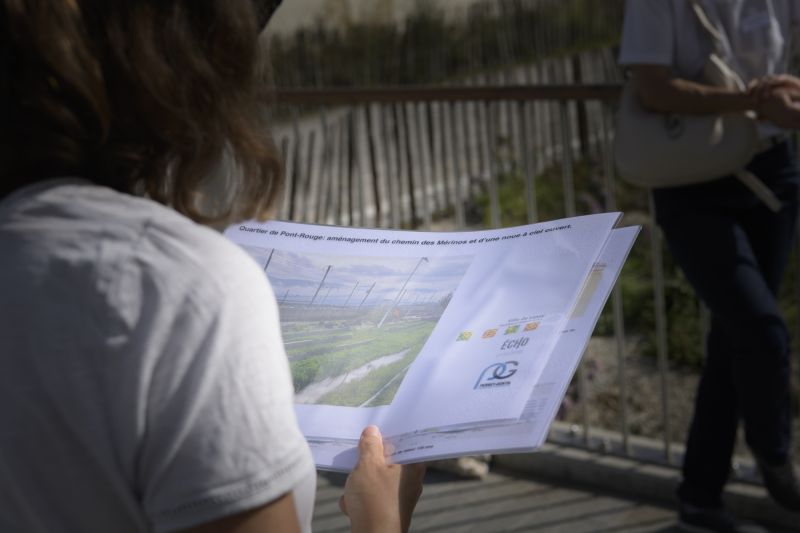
(143, 381)
(732, 248)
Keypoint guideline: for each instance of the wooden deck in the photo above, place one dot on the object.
(508, 501)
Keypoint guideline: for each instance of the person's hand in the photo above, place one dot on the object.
(762, 88)
(380, 497)
(777, 99)
(781, 107)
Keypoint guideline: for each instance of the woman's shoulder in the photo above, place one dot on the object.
(106, 243)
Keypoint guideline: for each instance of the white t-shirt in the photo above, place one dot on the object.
(667, 32)
(143, 380)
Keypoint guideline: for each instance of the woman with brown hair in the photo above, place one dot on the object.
(143, 382)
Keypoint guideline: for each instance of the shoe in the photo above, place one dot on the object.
(781, 483)
(713, 520)
(464, 467)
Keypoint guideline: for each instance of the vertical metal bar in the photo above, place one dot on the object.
(408, 160)
(513, 118)
(524, 109)
(472, 143)
(552, 123)
(705, 326)
(372, 146)
(352, 161)
(293, 178)
(795, 139)
(372, 154)
(341, 190)
(355, 202)
(383, 176)
(619, 335)
(616, 302)
(447, 153)
(581, 113)
(325, 169)
(570, 209)
(484, 137)
(390, 145)
(315, 173)
(402, 178)
(583, 390)
(414, 160)
(285, 143)
(797, 295)
(567, 171)
(661, 327)
(491, 147)
(304, 186)
(392, 164)
(459, 172)
(423, 169)
(359, 164)
(435, 152)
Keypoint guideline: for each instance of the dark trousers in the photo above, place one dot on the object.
(733, 251)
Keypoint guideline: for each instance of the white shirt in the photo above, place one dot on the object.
(667, 32)
(143, 380)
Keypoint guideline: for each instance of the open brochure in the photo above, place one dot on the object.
(451, 343)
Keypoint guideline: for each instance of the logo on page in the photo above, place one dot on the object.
(496, 375)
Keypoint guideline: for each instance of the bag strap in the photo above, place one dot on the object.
(760, 189)
(709, 26)
(718, 71)
(750, 180)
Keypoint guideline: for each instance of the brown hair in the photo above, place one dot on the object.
(144, 96)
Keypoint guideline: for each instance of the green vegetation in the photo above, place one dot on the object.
(431, 47)
(359, 391)
(305, 372)
(387, 395)
(329, 362)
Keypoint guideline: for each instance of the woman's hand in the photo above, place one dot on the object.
(777, 100)
(781, 107)
(762, 88)
(378, 496)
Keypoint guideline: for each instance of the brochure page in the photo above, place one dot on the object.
(530, 431)
(411, 331)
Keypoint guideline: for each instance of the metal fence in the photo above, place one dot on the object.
(490, 156)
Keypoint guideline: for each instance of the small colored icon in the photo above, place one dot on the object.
(530, 326)
(489, 333)
(511, 330)
(465, 336)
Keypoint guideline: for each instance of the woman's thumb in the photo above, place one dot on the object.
(371, 444)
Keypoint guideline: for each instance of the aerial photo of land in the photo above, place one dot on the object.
(353, 326)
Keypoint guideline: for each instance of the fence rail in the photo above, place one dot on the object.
(477, 156)
(604, 92)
